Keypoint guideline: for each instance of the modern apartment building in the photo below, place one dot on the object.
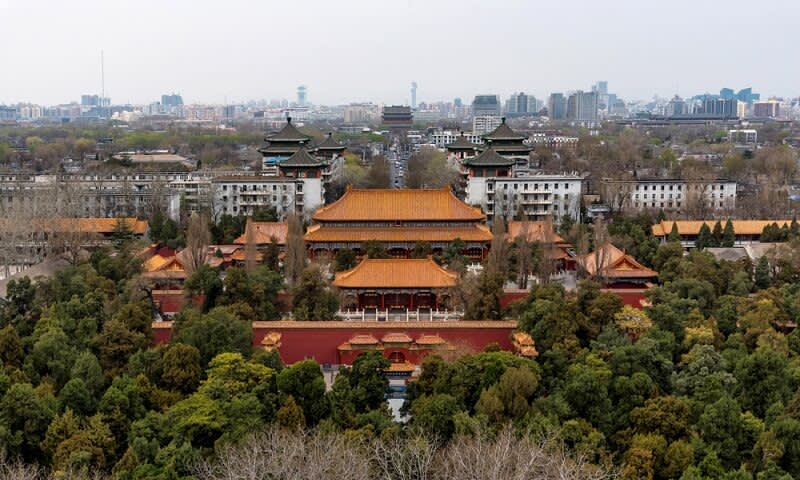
(670, 195)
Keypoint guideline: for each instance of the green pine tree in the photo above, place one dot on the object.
(762, 275)
(704, 237)
(674, 236)
(716, 235)
(728, 235)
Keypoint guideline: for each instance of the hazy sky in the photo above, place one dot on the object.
(344, 51)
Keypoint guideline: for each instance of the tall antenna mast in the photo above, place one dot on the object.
(102, 80)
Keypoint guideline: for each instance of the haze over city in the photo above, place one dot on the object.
(357, 240)
(365, 51)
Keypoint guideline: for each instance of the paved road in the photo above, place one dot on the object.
(398, 161)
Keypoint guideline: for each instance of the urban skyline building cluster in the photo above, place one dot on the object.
(585, 107)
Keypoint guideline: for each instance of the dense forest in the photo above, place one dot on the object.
(703, 383)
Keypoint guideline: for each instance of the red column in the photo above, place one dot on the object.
(383, 301)
(411, 301)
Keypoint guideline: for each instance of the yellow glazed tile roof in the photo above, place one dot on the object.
(398, 205)
(396, 273)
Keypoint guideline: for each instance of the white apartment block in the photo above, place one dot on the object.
(535, 195)
(244, 195)
(672, 195)
(107, 195)
(446, 137)
(483, 124)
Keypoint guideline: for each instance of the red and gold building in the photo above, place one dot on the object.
(619, 273)
(398, 219)
(396, 284)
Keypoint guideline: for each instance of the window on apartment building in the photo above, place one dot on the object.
(547, 186)
(224, 188)
(525, 186)
(515, 186)
(566, 185)
(662, 187)
(670, 187)
(555, 186)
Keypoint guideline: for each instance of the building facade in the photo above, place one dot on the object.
(582, 107)
(671, 195)
(557, 106)
(486, 105)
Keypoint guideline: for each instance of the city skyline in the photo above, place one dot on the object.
(355, 52)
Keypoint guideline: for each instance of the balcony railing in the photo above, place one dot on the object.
(386, 315)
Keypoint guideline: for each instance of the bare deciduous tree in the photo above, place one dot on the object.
(197, 239)
(507, 456)
(295, 261)
(287, 455)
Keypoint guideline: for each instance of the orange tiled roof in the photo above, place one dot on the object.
(396, 273)
(405, 367)
(321, 233)
(614, 263)
(522, 339)
(536, 231)
(98, 225)
(692, 227)
(398, 205)
(363, 340)
(430, 340)
(396, 338)
(264, 231)
(157, 262)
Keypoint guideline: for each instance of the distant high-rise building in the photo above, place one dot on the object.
(413, 94)
(301, 96)
(486, 105)
(714, 106)
(521, 104)
(582, 107)
(90, 100)
(457, 102)
(676, 107)
(770, 108)
(7, 113)
(601, 87)
(171, 100)
(557, 106)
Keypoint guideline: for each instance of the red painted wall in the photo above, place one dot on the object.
(630, 297)
(321, 343)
